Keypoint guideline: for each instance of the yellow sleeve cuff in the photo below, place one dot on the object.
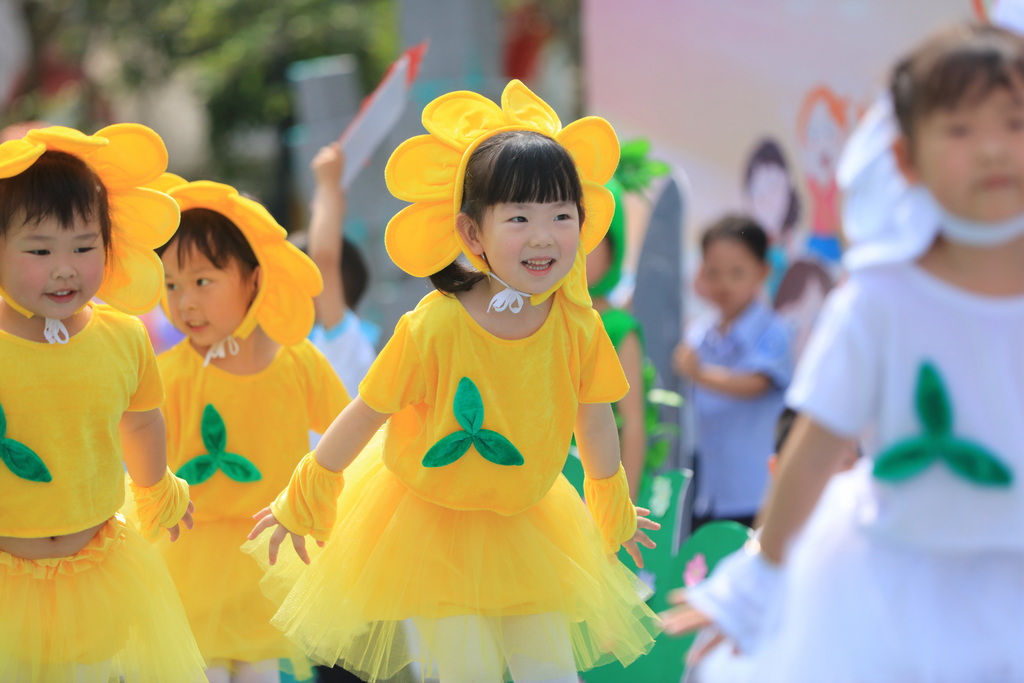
(612, 510)
(309, 505)
(161, 505)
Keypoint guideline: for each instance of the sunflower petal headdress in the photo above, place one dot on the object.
(289, 279)
(126, 157)
(429, 170)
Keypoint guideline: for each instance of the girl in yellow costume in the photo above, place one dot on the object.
(243, 390)
(83, 597)
(456, 516)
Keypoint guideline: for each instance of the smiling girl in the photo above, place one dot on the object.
(456, 515)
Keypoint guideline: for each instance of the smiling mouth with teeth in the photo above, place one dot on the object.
(538, 265)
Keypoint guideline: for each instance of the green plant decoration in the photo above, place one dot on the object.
(21, 460)
(910, 457)
(215, 439)
(469, 413)
(635, 171)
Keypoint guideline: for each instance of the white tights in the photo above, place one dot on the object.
(465, 648)
(220, 671)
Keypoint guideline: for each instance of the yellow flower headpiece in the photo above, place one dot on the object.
(430, 170)
(289, 279)
(126, 157)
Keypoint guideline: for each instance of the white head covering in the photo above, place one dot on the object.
(885, 219)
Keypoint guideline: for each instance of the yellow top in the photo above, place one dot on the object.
(289, 280)
(125, 156)
(64, 402)
(446, 378)
(430, 170)
(238, 455)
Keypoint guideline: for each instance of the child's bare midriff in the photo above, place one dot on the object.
(48, 546)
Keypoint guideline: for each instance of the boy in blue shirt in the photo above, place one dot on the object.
(739, 361)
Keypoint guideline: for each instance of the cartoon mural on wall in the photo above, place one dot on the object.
(822, 125)
(769, 195)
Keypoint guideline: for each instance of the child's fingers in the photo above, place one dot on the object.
(299, 543)
(275, 543)
(262, 513)
(174, 531)
(264, 523)
(683, 619)
(644, 540)
(644, 523)
(634, 552)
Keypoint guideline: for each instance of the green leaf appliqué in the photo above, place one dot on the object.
(21, 460)
(910, 457)
(215, 438)
(468, 407)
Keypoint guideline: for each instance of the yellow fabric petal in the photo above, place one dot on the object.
(286, 313)
(67, 140)
(166, 182)
(18, 155)
(573, 285)
(421, 238)
(144, 216)
(599, 205)
(421, 169)
(522, 106)
(594, 147)
(135, 156)
(459, 118)
(135, 282)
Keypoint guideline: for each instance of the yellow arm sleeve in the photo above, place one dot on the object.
(611, 508)
(161, 505)
(309, 505)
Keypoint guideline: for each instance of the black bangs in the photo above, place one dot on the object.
(519, 167)
(961, 66)
(60, 186)
(213, 235)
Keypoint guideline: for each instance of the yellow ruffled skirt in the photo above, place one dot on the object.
(220, 589)
(108, 612)
(403, 581)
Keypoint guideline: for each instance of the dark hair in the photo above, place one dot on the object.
(214, 236)
(740, 228)
(515, 166)
(795, 280)
(961, 64)
(58, 185)
(783, 425)
(768, 152)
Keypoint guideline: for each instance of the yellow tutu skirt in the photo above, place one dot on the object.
(220, 589)
(108, 612)
(403, 581)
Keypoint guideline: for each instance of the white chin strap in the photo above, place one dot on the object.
(55, 332)
(509, 298)
(976, 234)
(227, 345)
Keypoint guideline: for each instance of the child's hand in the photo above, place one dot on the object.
(328, 165)
(266, 519)
(682, 618)
(685, 361)
(641, 538)
(186, 519)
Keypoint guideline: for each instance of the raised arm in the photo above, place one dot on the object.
(161, 499)
(326, 230)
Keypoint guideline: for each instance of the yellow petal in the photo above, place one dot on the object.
(422, 169)
(421, 238)
(166, 182)
(594, 147)
(522, 106)
(599, 205)
(135, 156)
(134, 282)
(146, 217)
(286, 313)
(18, 155)
(460, 117)
(67, 140)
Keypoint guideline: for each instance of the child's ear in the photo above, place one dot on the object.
(257, 280)
(469, 232)
(904, 159)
